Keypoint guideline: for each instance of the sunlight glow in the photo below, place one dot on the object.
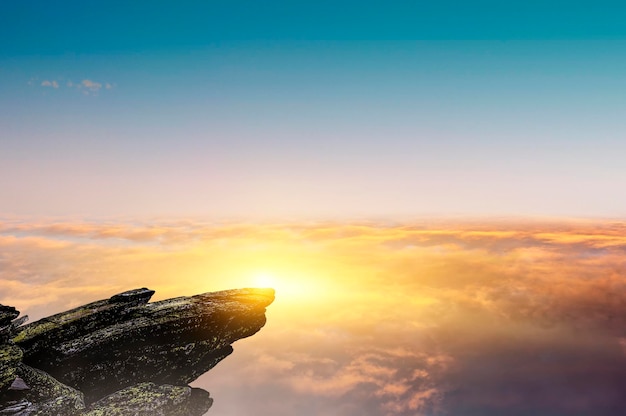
(265, 280)
(292, 286)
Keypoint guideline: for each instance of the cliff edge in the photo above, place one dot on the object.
(123, 355)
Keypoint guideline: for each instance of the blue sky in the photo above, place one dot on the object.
(312, 110)
(104, 26)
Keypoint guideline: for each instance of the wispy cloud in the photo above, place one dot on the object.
(89, 86)
(86, 86)
(46, 83)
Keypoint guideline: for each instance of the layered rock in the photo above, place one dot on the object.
(164, 400)
(99, 355)
(10, 354)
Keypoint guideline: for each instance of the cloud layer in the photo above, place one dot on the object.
(410, 319)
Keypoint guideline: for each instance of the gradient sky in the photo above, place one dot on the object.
(191, 146)
(320, 110)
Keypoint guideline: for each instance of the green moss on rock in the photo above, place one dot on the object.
(124, 356)
(149, 399)
(10, 357)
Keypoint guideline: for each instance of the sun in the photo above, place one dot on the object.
(265, 280)
(292, 285)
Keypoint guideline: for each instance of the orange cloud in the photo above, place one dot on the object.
(406, 319)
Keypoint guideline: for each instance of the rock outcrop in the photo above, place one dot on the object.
(123, 355)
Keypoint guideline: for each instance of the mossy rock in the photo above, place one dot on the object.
(123, 356)
(41, 395)
(10, 357)
(149, 399)
(7, 314)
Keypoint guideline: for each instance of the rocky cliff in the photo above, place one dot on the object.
(123, 355)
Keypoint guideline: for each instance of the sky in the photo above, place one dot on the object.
(323, 110)
(434, 189)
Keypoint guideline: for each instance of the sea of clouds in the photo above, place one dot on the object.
(423, 318)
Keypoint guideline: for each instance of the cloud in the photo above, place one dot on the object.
(87, 86)
(369, 319)
(52, 84)
(367, 380)
(90, 85)
(558, 371)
